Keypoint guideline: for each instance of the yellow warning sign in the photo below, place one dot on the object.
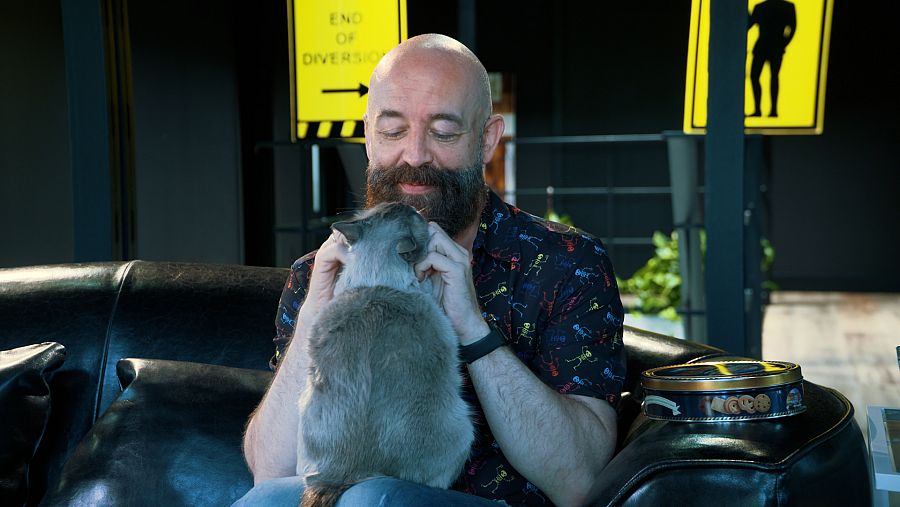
(787, 60)
(336, 45)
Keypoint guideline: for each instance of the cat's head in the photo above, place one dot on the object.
(395, 225)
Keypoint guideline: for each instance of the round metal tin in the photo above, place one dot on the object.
(723, 391)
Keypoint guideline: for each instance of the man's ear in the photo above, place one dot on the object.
(368, 136)
(493, 131)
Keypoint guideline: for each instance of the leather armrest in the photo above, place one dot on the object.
(814, 458)
(173, 437)
(25, 409)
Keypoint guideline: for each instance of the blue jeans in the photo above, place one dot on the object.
(379, 492)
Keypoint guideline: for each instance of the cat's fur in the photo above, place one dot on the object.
(383, 393)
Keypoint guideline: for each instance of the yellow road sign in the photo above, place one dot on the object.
(787, 60)
(335, 46)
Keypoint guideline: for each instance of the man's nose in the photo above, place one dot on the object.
(416, 151)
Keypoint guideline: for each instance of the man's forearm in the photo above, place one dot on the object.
(270, 442)
(557, 443)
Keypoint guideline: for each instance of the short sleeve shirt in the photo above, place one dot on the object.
(552, 290)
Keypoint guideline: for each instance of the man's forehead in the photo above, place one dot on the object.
(433, 81)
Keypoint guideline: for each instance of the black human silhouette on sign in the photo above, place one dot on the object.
(777, 22)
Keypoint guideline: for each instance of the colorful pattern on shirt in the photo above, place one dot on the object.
(552, 290)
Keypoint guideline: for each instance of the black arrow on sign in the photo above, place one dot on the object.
(362, 90)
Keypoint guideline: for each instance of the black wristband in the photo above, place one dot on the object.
(475, 351)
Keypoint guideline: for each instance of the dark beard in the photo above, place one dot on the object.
(455, 202)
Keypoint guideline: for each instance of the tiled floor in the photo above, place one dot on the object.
(846, 341)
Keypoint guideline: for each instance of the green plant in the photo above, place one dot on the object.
(768, 258)
(657, 284)
(560, 219)
(551, 213)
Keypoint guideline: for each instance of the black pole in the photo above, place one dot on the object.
(466, 23)
(753, 214)
(724, 216)
(89, 127)
(98, 81)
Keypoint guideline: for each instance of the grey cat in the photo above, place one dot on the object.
(382, 397)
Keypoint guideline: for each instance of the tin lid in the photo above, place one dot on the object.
(721, 376)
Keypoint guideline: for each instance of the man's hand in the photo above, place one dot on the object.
(450, 267)
(330, 257)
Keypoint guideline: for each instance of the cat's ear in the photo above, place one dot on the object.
(407, 248)
(351, 230)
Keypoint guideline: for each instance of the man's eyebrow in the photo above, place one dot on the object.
(392, 113)
(389, 113)
(447, 117)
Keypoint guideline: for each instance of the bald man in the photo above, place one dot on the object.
(543, 393)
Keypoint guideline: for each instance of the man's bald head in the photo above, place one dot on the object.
(429, 131)
(451, 55)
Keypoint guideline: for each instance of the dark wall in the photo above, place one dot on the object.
(586, 68)
(618, 67)
(187, 158)
(35, 174)
(187, 131)
(590, 67)
(210, 85)
(261, 65)
(569, 60)
(836, 197)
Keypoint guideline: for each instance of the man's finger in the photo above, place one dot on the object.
(441, 243)
(421, 270)
(437, 287)
(450, 270)
(331, 255)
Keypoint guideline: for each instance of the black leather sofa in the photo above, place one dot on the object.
(160, 364)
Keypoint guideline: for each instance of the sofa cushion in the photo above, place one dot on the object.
(173, 437)
(25, 405)
(208, 313)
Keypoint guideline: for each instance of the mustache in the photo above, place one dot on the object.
(457, 198)
(422, 175)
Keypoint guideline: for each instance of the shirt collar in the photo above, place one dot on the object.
(496, 230)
